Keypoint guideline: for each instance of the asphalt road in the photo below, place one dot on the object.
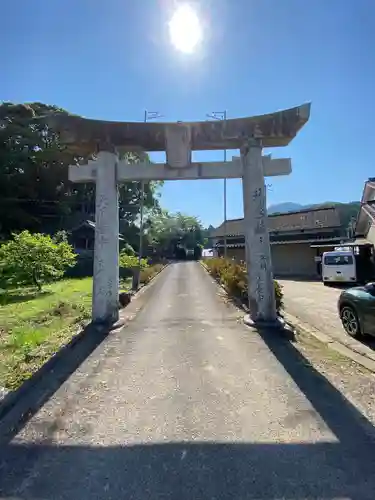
(187, 403)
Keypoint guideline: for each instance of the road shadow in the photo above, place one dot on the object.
(338, 413)
(338, 467)
(186, 471)
(367, 341)
(19, 406)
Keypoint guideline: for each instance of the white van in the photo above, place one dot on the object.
(339, 267)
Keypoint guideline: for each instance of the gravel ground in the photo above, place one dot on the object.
(354, 381)
(188, 403)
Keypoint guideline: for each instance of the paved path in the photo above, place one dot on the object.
(316, 305)
(188, 403)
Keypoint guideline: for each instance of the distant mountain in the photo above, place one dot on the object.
(348, 211)
(287, 206)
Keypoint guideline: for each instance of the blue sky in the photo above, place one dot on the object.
(112, 59)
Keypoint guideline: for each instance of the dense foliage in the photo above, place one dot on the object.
(233, 276)
(131, 261)
(34, 259)
(169, 232)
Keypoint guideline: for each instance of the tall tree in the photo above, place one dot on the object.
(35, 193)
(167, 230)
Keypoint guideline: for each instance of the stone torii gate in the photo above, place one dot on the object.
(85, 137)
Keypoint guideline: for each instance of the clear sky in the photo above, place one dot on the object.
(112, 60)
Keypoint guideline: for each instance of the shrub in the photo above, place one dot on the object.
(131, 261)
(279, 295)
(233, 276)
(148, 273)
(34, 259)
(216, 266)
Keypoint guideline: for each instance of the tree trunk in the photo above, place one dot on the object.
(36, 281)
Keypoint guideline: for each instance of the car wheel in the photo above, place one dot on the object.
(350, 321)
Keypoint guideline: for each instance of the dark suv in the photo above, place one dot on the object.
(357, 310)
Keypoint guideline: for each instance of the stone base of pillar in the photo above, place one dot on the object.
(108, 325)
(278, 324)
(136, 279)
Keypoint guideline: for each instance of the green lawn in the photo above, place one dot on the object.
(34, 325)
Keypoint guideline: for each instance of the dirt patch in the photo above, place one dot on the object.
(353, 381)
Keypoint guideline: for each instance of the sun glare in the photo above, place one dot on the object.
(185, 29)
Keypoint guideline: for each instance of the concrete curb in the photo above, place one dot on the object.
(12, 398)
(302, 328)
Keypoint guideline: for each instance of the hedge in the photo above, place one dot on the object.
(233, 276)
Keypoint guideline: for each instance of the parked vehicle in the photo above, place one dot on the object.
(357, 310)
(190, 253)
(339, 266)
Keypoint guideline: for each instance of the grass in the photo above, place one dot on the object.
(33, 325)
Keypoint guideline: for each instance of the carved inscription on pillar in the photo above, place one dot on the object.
(259, 259)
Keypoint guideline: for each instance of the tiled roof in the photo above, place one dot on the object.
(366, 215)
(319, 218)
(366, 218)
(85, 223)
(88, 224)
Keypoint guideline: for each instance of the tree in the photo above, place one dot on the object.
(35, 193)
(34, 259)
(168, 231)
(33, 168)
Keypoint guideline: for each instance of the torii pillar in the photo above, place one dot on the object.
(82, 136)
(105, 299)
(261, 290)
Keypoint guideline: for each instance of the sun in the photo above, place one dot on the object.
(185, 29)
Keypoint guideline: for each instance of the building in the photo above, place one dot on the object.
(365, 226)
(365, 233)
(297, 240)
(82, 239)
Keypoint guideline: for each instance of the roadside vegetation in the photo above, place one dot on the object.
(129, 261)
(233, 276)
(40, 310)
(35, 324)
